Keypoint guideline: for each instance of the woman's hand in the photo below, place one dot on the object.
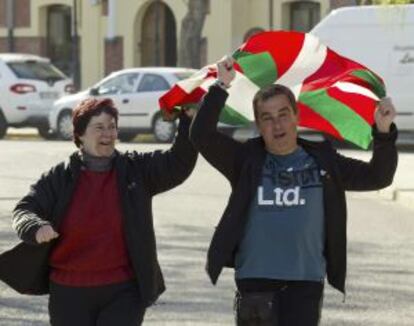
(46, 234)
(171, 116)
(190, 112)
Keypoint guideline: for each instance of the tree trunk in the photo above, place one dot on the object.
(190, 37)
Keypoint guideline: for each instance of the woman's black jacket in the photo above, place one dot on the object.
(140, 176)
(241, 164)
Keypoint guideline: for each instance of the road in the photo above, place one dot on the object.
(380, 287)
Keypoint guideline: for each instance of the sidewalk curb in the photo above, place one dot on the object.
(404, 197)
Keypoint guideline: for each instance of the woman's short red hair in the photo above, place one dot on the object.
(85, 110)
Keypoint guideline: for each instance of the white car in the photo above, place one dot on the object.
(135, 93)
(29, 85)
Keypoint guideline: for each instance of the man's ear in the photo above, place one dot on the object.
(297, 115)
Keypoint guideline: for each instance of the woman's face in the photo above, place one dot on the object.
(100, 135)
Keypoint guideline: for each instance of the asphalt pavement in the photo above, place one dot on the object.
(380, 286)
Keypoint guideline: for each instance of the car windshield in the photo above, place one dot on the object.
(120, 84)
(36, 70)
(184, 74)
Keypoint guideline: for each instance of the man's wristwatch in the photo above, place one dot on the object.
(222, 85)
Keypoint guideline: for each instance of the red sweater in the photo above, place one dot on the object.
(91, 248)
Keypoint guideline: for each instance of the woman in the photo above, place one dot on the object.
(86, 225)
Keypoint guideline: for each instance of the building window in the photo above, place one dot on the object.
(59, 38)
(304, 15)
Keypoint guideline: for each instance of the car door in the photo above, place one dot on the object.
(150, 88)
(121, 89)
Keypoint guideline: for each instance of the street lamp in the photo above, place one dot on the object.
(10, 25)
(270, 14)
(75, 47)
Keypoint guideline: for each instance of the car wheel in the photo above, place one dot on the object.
(44, 132)
(64, 126)
(164, 131)
(127, 136)
(3, 126)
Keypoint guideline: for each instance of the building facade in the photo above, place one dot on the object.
(116, 34)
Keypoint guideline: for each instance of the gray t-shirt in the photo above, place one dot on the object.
(284, 236)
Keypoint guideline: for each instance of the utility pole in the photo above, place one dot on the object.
(75, 47)
(10, 25)
(270, 15)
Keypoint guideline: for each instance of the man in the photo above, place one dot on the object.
(284, 227)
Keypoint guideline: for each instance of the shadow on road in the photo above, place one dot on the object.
(191, 299)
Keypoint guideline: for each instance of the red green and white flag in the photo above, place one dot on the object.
(335, 95)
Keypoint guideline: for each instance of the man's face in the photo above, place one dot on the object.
(277, 124)
(100, 135)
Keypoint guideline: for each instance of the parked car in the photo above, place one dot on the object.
(29, 85)
(135, 93)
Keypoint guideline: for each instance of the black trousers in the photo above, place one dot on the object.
(292, 303)
(109, 305)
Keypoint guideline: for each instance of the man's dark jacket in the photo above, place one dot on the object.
(140, 176)
(241, 164)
